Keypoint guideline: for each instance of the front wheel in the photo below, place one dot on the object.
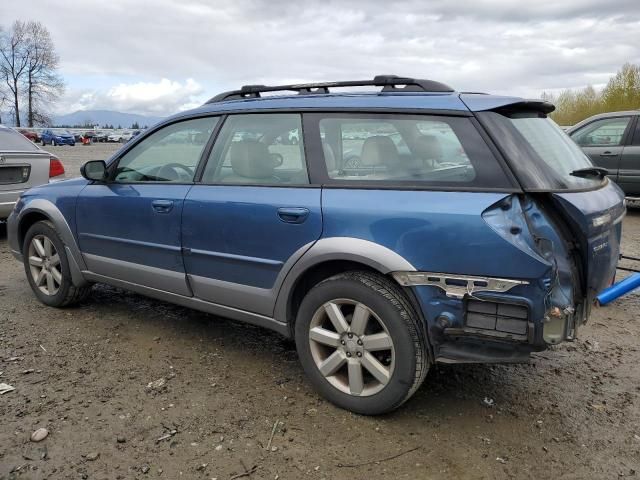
(360, 343)
(47, 267)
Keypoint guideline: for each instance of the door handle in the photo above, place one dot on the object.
(162, 206)
(608, 153)
(293, 214)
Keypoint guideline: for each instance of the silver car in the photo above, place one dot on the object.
(22, 165)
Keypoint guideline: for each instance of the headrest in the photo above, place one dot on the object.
(251, 159)
(428, 147)
(329, 157)
(378, 150)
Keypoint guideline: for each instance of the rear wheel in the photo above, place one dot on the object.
(47, 267)
(360, 342)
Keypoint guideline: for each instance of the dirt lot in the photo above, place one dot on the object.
(73, 157)
(83, 373)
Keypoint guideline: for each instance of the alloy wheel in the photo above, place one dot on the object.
(44, 265)
(351, 347)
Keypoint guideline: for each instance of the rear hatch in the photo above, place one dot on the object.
(550, 165)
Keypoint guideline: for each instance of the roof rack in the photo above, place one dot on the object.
(389, 83)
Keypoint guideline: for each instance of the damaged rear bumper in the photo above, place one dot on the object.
(489, 320)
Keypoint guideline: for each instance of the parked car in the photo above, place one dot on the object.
(121, 137)
(22, 165)
(99, 136)
(378, 271)
(30, 134)
(128, 135)
(134, 134)
(114, 137)
(89, 135)
(612, 141)
(57, 138)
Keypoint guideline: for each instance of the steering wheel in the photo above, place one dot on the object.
(167, 171)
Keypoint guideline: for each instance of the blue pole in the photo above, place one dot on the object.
(618, 289)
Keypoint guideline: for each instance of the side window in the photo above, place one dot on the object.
(169, 155)
(258, 149)
(605, 132)
(445, 151)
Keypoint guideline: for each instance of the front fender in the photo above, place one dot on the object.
(46, 208)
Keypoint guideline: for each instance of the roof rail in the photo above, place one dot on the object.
(389, 83)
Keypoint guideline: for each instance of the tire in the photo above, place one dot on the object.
(53, 142)
(55, 287)
(400, 351)
(44, 143)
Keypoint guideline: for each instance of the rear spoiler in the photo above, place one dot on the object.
(481, 103)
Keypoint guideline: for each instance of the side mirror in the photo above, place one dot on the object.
(95, 170)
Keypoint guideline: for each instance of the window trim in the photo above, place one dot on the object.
(205, 159)
(635, 134)
(115, 161)
(318, 169)
(624, 139)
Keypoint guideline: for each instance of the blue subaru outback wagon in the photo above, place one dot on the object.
(383, 231)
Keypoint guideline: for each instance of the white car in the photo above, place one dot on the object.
(119, 137)
(126, 136)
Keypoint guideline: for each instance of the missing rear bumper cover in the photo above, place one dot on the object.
(457, 286)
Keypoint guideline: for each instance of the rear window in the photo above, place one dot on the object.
(541, 154)
(403, 149)
(12, 141)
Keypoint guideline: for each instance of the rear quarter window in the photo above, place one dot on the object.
(542, 156)
(405, 150)
(12, 141)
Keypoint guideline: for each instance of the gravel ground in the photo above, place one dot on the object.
(74, 157)
(83, 373)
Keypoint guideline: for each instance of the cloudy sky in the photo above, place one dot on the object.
(157, 57)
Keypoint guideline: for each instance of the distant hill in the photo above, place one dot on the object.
(103, 117)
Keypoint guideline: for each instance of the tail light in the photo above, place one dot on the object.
(55, 167)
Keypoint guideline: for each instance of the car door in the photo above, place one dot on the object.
(603, 141)
(629, 173)
(252, 214)
(129, 228)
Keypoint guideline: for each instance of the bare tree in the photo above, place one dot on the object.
(43, 84)
(3, 101)
(29, 70)
(14, 60)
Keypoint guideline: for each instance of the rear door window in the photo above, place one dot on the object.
(403, 149)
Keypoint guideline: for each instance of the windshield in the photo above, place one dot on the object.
(542, 155)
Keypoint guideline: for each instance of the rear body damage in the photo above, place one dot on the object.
(484, 318)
